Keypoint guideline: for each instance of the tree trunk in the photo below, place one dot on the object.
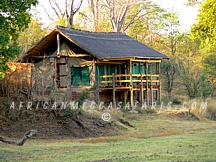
(22, 141)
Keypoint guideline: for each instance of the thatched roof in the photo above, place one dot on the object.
(98, 44)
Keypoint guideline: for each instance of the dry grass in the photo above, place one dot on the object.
(203, 109)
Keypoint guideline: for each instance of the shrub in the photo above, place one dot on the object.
(145, 111)
(211, 110)
(68, 113)
(176, 101)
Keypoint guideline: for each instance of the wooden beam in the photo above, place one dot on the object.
(127, 81)
(149, 61)
(79, 55)
(43, 56)
(123, 59)
(54, 56)
(113, 62)
(58, 45)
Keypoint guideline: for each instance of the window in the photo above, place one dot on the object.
(80, 76)
(61, 75)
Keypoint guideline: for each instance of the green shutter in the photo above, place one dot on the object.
(99, 72)
(149, 69)
(80, 76)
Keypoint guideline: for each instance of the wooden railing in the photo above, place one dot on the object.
(128, 80)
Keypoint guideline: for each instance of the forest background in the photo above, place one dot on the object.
(190, 72)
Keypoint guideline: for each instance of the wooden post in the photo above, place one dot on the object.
(114, 97)
(58, 45)
(147, 97)
(141, 88)
(125, 97)
(119, 78)
(105, 74)
(157, 90)
(159, 83)
(97, 93)
(152, 93)
(131, 84)
(131, 97)
(55, 74)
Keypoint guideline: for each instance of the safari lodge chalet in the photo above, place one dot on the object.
(120, 67)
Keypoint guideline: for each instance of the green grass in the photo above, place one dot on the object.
(156, 138)
(187, 147)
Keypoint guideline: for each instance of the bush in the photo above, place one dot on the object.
(176, 101)
(68, 113)
(146, 111)
(211, 111)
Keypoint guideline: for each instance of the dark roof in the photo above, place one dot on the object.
(110, 45)
(99, 44)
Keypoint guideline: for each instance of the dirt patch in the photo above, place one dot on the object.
(52, 126)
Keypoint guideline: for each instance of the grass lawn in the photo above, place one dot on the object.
(157, 138)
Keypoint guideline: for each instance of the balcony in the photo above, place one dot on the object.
(129, 81)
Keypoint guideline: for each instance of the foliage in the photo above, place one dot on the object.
(146, 111)
(205, 28)
(169, 71)
(84, 95)
(31, 35)
(68, 113)
(145, 26)
(194, 81)
(170, 40)
(191, 73)
(192, 2)
(14, 18)
(209, 64)
(176, 101)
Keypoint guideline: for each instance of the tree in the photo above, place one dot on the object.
(194, 81)
(31, 35)
(209, 64)
(67, 13)
(205, 27)
(94, 6)
(117, 12)
(144, 26)
(14, 17)
(27, 135)
(172, 38)
(192, 2)
(191, 76)
(169, 72)
(124, 13)
(204, 32)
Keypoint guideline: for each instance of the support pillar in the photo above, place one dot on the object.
(147, 92)
(141, 89)
(131, 98)
(131, 85)
(114, 96)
